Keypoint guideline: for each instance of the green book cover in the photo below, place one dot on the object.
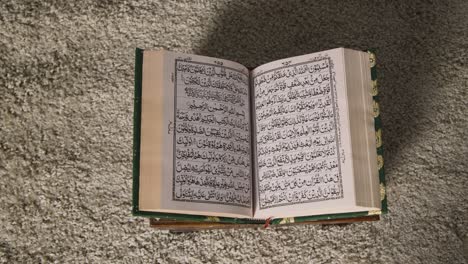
(185, 217)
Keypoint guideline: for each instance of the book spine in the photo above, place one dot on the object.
(136, 128)
(378, 131)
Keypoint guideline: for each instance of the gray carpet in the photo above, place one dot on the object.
(66, 90)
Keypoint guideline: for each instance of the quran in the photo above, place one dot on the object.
(291, 139)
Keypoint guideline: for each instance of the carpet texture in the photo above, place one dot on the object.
(66, 91)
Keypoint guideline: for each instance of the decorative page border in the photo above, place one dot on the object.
(175, 135)
(380, 161)
(337, 130)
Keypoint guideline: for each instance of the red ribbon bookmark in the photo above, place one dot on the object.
(267, 222)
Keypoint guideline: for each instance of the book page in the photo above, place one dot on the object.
(302, 137)
(208, 162)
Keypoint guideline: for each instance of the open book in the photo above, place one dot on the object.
(293, 137)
